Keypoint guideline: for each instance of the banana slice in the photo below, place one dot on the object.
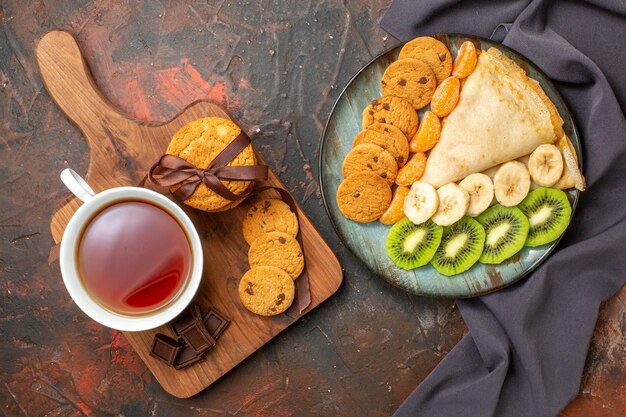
(545, 165)
(511, 183)
(480, 189)
(453, 204)
(421, 202)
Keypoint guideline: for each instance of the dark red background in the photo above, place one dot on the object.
(277, 66)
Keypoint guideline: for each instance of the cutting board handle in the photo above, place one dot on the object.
(70, 84)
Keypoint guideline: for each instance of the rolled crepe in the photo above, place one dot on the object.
(501, 115)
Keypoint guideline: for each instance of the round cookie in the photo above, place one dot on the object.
(198, 143)
(266, 290)
(432, 52)
(410, 79)
(369, 157)
(388, 137)
(277, 249)
(269, 215)
(394, 111)
(363, 197)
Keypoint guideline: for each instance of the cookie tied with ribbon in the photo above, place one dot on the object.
(209, 165)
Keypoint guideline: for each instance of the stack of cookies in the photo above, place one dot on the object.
(198, 143)
(391, 149)
(275, 258)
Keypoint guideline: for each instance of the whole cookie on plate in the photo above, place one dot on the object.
(431, 51)
(411, 79)
(370, 157)
(269, 215)
(277, 249)
(198, 143)
(266, 290)
(394, 111)
(363, 197)
(388, 137)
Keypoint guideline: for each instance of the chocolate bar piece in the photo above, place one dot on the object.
(197, 337)
(180, 323)
(165, 349)
(192, 313)
(186, 357)
(196, 333)
(215, 323)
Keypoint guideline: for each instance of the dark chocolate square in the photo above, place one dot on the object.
(165, 349)
(215, 323)
(197, 337)
(181, 322)
(186, 357)
(189, 315)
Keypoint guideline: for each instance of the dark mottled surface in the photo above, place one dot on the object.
(277, 66)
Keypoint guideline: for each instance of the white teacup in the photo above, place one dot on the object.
(93, 203)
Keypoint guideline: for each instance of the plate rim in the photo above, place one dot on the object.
(575, 134)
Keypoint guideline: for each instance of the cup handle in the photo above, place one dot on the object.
(76, 184)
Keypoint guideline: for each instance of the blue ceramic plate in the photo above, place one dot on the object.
(367, 241)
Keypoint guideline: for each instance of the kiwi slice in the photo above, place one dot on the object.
(549, 212)
(461, 246)
(506, 229)
(411, 245)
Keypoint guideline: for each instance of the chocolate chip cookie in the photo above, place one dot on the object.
(266, 290)
(269, 215)
(388, 137)
(277, 249)
(363, 197)
(394, 111)
(432, 52)
(410, 79)
(370, 157)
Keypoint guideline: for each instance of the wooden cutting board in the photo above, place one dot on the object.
(121, 149)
